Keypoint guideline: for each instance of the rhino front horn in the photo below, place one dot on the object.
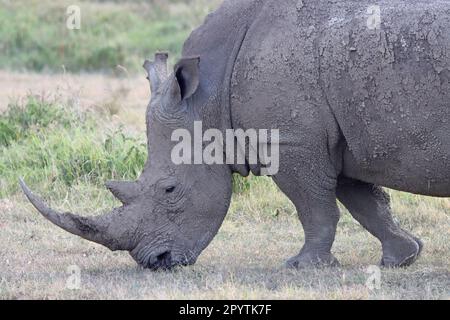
(96, 229)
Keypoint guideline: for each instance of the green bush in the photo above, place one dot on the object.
(22, 120)
(47, 143)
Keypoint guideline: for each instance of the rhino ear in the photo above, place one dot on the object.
(125, 191)
(186, 73)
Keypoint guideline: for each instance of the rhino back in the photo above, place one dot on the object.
(314, 70)
(390, 92)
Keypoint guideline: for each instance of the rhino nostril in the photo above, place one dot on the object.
(164, 258)
(161, 260)
(170, 190)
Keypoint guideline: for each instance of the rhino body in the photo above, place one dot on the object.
(361, 101)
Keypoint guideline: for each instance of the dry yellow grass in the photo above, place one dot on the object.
(124, 95)
(245, 261)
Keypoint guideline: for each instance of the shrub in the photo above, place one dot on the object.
(47, 143)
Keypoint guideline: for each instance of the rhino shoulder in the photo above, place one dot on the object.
(221, 25)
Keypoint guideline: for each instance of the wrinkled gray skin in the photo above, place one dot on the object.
(357, 109)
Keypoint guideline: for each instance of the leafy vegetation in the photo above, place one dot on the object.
(48, 142)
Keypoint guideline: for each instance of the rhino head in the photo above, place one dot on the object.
(172, 212)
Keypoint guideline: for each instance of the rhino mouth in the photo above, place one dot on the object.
(161, 261)
(164, 258)
(166, 261)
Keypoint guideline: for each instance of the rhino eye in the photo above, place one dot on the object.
(170, 189)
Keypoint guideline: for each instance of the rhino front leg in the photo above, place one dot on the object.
(319, 217)
(318, 212)
(370, 206)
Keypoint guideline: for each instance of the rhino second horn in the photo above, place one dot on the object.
(161, 63)
(90, 228)
(124, 191)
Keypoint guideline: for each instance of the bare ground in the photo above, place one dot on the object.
(245, 261)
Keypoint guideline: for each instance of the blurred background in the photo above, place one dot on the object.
(101, 58)
(34, 36)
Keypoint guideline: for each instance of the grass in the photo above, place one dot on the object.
(243, 262)
(45, 141)
(34, 35)
(66, 155)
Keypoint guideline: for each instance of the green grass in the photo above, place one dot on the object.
(34, 36)
(46, 142)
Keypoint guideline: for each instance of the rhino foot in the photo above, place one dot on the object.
(401, 253)
(312, 260)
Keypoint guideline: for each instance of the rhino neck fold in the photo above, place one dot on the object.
(227, 118)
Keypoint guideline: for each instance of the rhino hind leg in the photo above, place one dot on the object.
(370, 206)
